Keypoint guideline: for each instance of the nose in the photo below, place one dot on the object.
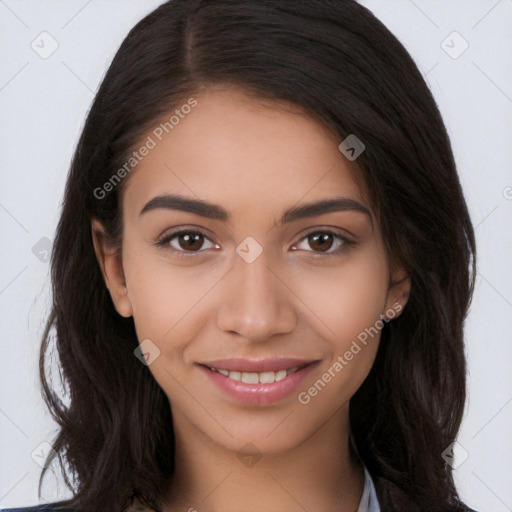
(255, 301)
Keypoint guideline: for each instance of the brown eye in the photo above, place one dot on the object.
(190, 242)
(324, 242)
(320, 242)
(184, 243)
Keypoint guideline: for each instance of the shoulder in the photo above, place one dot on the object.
(47, 507)
(136, 504)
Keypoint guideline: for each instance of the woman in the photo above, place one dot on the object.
(261, 270)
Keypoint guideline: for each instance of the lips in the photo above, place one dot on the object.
(257, 365)
(257, 382)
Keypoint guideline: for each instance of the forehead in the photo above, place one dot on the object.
(243, 152)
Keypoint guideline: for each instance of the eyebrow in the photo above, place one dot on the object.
(216, 212)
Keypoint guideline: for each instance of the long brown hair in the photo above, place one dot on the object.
(335, 59)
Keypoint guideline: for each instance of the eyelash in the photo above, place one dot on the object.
(164, 242)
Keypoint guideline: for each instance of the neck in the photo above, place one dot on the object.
(321, 473)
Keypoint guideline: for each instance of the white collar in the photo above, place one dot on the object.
(369, 502)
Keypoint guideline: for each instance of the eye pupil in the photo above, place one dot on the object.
(323, 241)
(191, 242)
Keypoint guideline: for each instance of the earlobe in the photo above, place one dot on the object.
(110, 262)
(398, 293)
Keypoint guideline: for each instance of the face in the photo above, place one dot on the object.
(256, 277)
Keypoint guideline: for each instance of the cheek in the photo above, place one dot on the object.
(156, 295)
(166, 299)
(342, 299)
(346, 298)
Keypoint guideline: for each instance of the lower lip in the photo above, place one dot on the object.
(260, 394)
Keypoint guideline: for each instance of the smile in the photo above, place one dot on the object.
(256, 377)
(275, 380)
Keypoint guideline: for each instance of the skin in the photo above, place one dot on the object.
(255, 159)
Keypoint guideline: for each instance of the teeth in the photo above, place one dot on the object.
(250, 378)
(255, 377)
(267, 377)
(280, 375)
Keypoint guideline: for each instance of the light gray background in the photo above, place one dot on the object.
(43, 103)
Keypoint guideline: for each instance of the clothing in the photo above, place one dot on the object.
(368, 503)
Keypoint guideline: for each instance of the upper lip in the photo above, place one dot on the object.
(258, 365)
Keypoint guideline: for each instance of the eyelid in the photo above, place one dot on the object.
(335, 232)
(164, 240)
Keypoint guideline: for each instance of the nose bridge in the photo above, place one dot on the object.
(254, 302)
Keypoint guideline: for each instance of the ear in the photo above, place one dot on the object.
(398, 293)
(111, 265)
